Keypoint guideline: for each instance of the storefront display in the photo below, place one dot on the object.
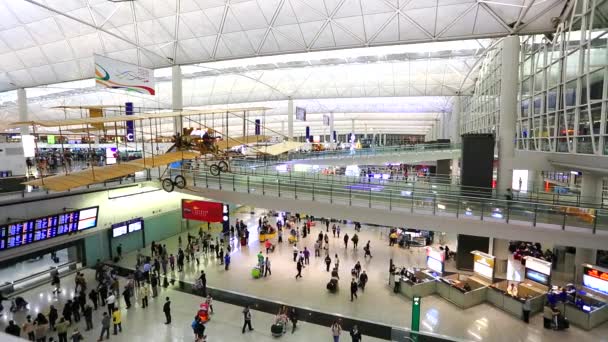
(483, 264)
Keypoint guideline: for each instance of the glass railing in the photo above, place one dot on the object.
(403, 200)
(439, 185)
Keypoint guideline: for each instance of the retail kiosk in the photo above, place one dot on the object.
(467, 291)
(533, 287)
(587, 308)
(422, 283)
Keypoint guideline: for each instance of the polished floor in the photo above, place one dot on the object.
(480, 323)
(144, 325)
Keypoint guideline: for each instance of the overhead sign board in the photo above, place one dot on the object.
(111, 73)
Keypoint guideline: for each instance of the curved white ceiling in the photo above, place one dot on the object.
(51, 41)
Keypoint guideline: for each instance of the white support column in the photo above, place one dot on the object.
(331, 127)
(290, 115)
(283, 127)
(23, 112)
(455, 121)
(591, 188)
(177, 102)
(508, 111)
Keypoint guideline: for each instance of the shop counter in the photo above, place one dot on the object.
(425, 287)
(499, 297)
(452, 288)
(267, 236)
(596, 313)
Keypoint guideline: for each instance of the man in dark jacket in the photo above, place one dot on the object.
(167, 310)
(355, 334)
(88, 316)
(353, 289)
(13, 329)
(327, 262)
(293, 317)
(363, 280)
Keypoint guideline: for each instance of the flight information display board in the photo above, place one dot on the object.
(43, 228)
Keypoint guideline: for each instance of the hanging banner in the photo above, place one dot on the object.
(204, 211)
(130, 137)
(110, 73)
(326, 120)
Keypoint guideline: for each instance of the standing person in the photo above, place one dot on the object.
(28, 328)
(62, 330)
(167, 310)
(110, 302)
(353, 289)
(355, 240)
(338, 231)
(119, 251)
(336, 261)
(172, 262)
(247, 318)
(317, 249)
(299, 268)
(367, 250)
(355, 334)
(526, 307)
(75, 310)
(41, 329)
(180, 260)
(333, 229)
(117, 321)
(358, 268)
(126, 294)
(363, 280)
(346, 241)
(76, 336)
(94, 297)
(53, 316)
(327, 262)
(57, 283)
(88, 316)
(227, 261)
(295, 252)
(209, 302)
(293, 317)
(203, 280)
(105, 326)
(267, 267)
(154, 284)
(306, 256)
(336, 330)
(144, 292)
(326, 238)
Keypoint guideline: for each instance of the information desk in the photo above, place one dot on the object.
(452, 288)
(595, 314)
(499, 297)
(425, 284)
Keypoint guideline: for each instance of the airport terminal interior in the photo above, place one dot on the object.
(304, 170)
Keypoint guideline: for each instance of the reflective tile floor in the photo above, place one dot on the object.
(145, 325)
(480, 323)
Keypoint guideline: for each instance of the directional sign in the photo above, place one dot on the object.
(416, 316)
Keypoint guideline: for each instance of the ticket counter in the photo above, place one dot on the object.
(413, 283)
(462, 290)
(499, 296)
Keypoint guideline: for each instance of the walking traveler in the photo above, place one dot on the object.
(345, 241)
(367, 250)
(62, 330)
(105, 326)
(144, 292)
(167, 310)
(355, 334)
(299, 267)
(247, 318)
(353, 289)
(293, 317)
(336, 330)
(363, 280)
(327, 262)
(267, 267)
(117, 321)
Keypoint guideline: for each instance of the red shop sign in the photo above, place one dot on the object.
(202, 211)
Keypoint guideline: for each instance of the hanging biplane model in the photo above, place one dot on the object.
(214, 151)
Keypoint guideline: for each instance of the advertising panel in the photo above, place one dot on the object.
(111, 73)
(434, 260)
(202, 211)
(300, 114)
(538, 265)
(483, 264)
(595, 279)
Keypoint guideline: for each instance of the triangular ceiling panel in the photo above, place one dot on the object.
(256, 37)
(231, 23)
(354, 25)
(249, 15)
(509, 10)
(464, 26)
(325, 39)
(310, 29)
(447, 14)
(186, 6)
(350, 8)
(203, 4)
(268, 8)
(238, 43)
(215, 14)
(373, 23)
(375, 7)
(195, 24)
(316, 5)
(390, 33)
(270, 44)
(286, 16)
(486, 23)
(304, 13)
(289, 37)
(425, 17)
(409, 31)
(544, 20)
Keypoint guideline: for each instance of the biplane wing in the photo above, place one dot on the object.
(280, 148)
(100, 174)
(229, 143)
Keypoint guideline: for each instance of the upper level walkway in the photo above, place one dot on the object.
(407, 154)
(397, 207)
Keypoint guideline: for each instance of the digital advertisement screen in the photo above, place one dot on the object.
(434, 264)
(202, 211)
(300, 114)
(43, 228)
(538, 265)
(119, 230)
(111, 155)
(135, 225)
(537, 277)
(483, 266)
(595, 279)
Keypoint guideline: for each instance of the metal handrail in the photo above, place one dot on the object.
(485, 209)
